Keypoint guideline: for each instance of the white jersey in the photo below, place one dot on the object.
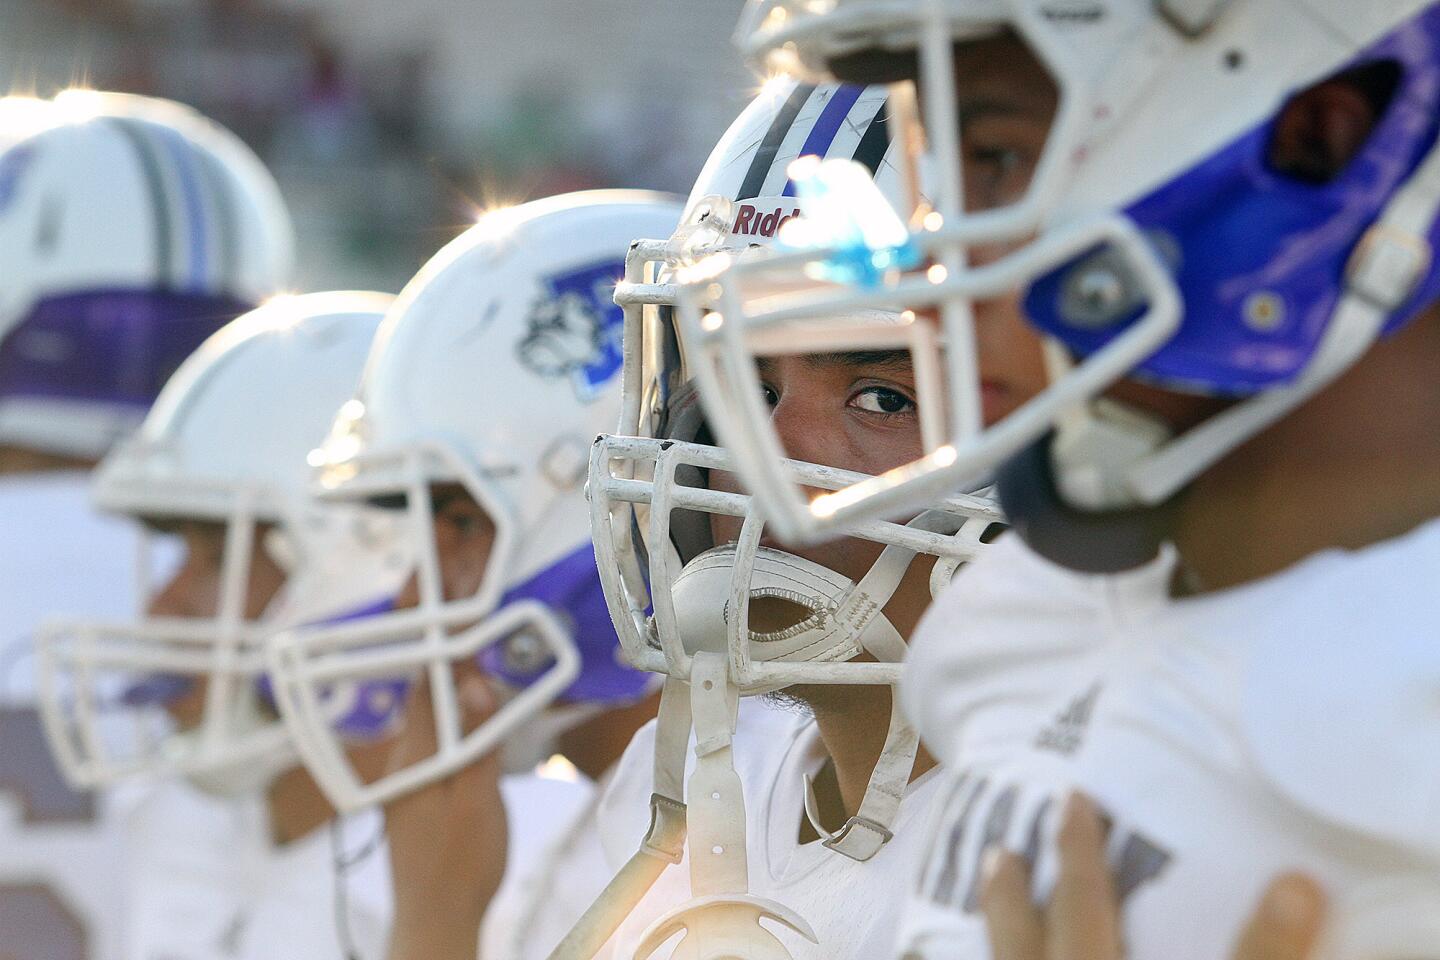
(205, 881)
(1291, 723)
(554, 869)
(60, 885)
(852, 907)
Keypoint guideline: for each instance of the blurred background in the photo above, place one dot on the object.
(391, 124)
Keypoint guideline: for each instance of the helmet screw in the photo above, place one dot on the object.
(1263, 311)
(525, 653)
(1100, 290)
(1094, 297)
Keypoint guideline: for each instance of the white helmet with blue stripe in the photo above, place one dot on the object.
(131, 229)
(682, 602)
(491, 376)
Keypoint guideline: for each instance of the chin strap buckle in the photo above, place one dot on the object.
(1387, 265)
(666, 837)
(859, 839)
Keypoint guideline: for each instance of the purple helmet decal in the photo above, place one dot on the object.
(572, 589)
(373, 706)
(1260, 257)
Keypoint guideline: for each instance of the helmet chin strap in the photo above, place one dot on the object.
(844, 620)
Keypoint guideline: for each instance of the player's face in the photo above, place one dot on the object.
(1007, 103)
(464, 535)
(855, 411)
(193, 591)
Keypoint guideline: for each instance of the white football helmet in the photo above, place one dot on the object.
(1146, 240)
(495, 371)
(226, 443)
(682, 602)
(130, 229)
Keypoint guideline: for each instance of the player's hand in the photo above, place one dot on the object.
(447, 840)
(1082, 919)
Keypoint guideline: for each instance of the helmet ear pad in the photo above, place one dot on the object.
(1105, 542)
(685, 421)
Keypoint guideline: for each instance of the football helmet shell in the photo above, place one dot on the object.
(495, 370)
(132, 229)
(225, 443)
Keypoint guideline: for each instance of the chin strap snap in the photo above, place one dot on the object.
(862, 836)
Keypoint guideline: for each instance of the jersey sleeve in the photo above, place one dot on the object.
(1008, 632)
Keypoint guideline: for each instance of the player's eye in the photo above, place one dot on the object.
(882, 400)
(996, 174)
(771, 395)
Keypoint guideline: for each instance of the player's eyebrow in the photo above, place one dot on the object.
(887, 361)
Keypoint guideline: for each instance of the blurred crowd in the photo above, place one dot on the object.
(385, 133)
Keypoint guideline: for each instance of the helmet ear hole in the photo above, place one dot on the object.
(1323, 128)
(48, 226)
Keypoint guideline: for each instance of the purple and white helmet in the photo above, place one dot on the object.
(1148, 232)
(131, 229)
(494, 371)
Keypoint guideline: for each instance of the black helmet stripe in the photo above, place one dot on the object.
(876, 141)
(765, 156)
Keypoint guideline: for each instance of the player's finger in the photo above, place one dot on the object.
(1013, 921)
(1287, 923)
(473, 694)
(1083, 916)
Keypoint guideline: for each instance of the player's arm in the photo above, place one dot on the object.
(1082, 919)
(447, 840)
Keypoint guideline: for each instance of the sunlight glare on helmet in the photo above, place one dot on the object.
(774, 83)
(281, 311)
(481, 214)
(80, 102)
(558, 768)
(705, 269)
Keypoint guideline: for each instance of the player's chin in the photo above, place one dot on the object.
(820, 698)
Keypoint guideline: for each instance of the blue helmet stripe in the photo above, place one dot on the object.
(822, 134)
(198, 259)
